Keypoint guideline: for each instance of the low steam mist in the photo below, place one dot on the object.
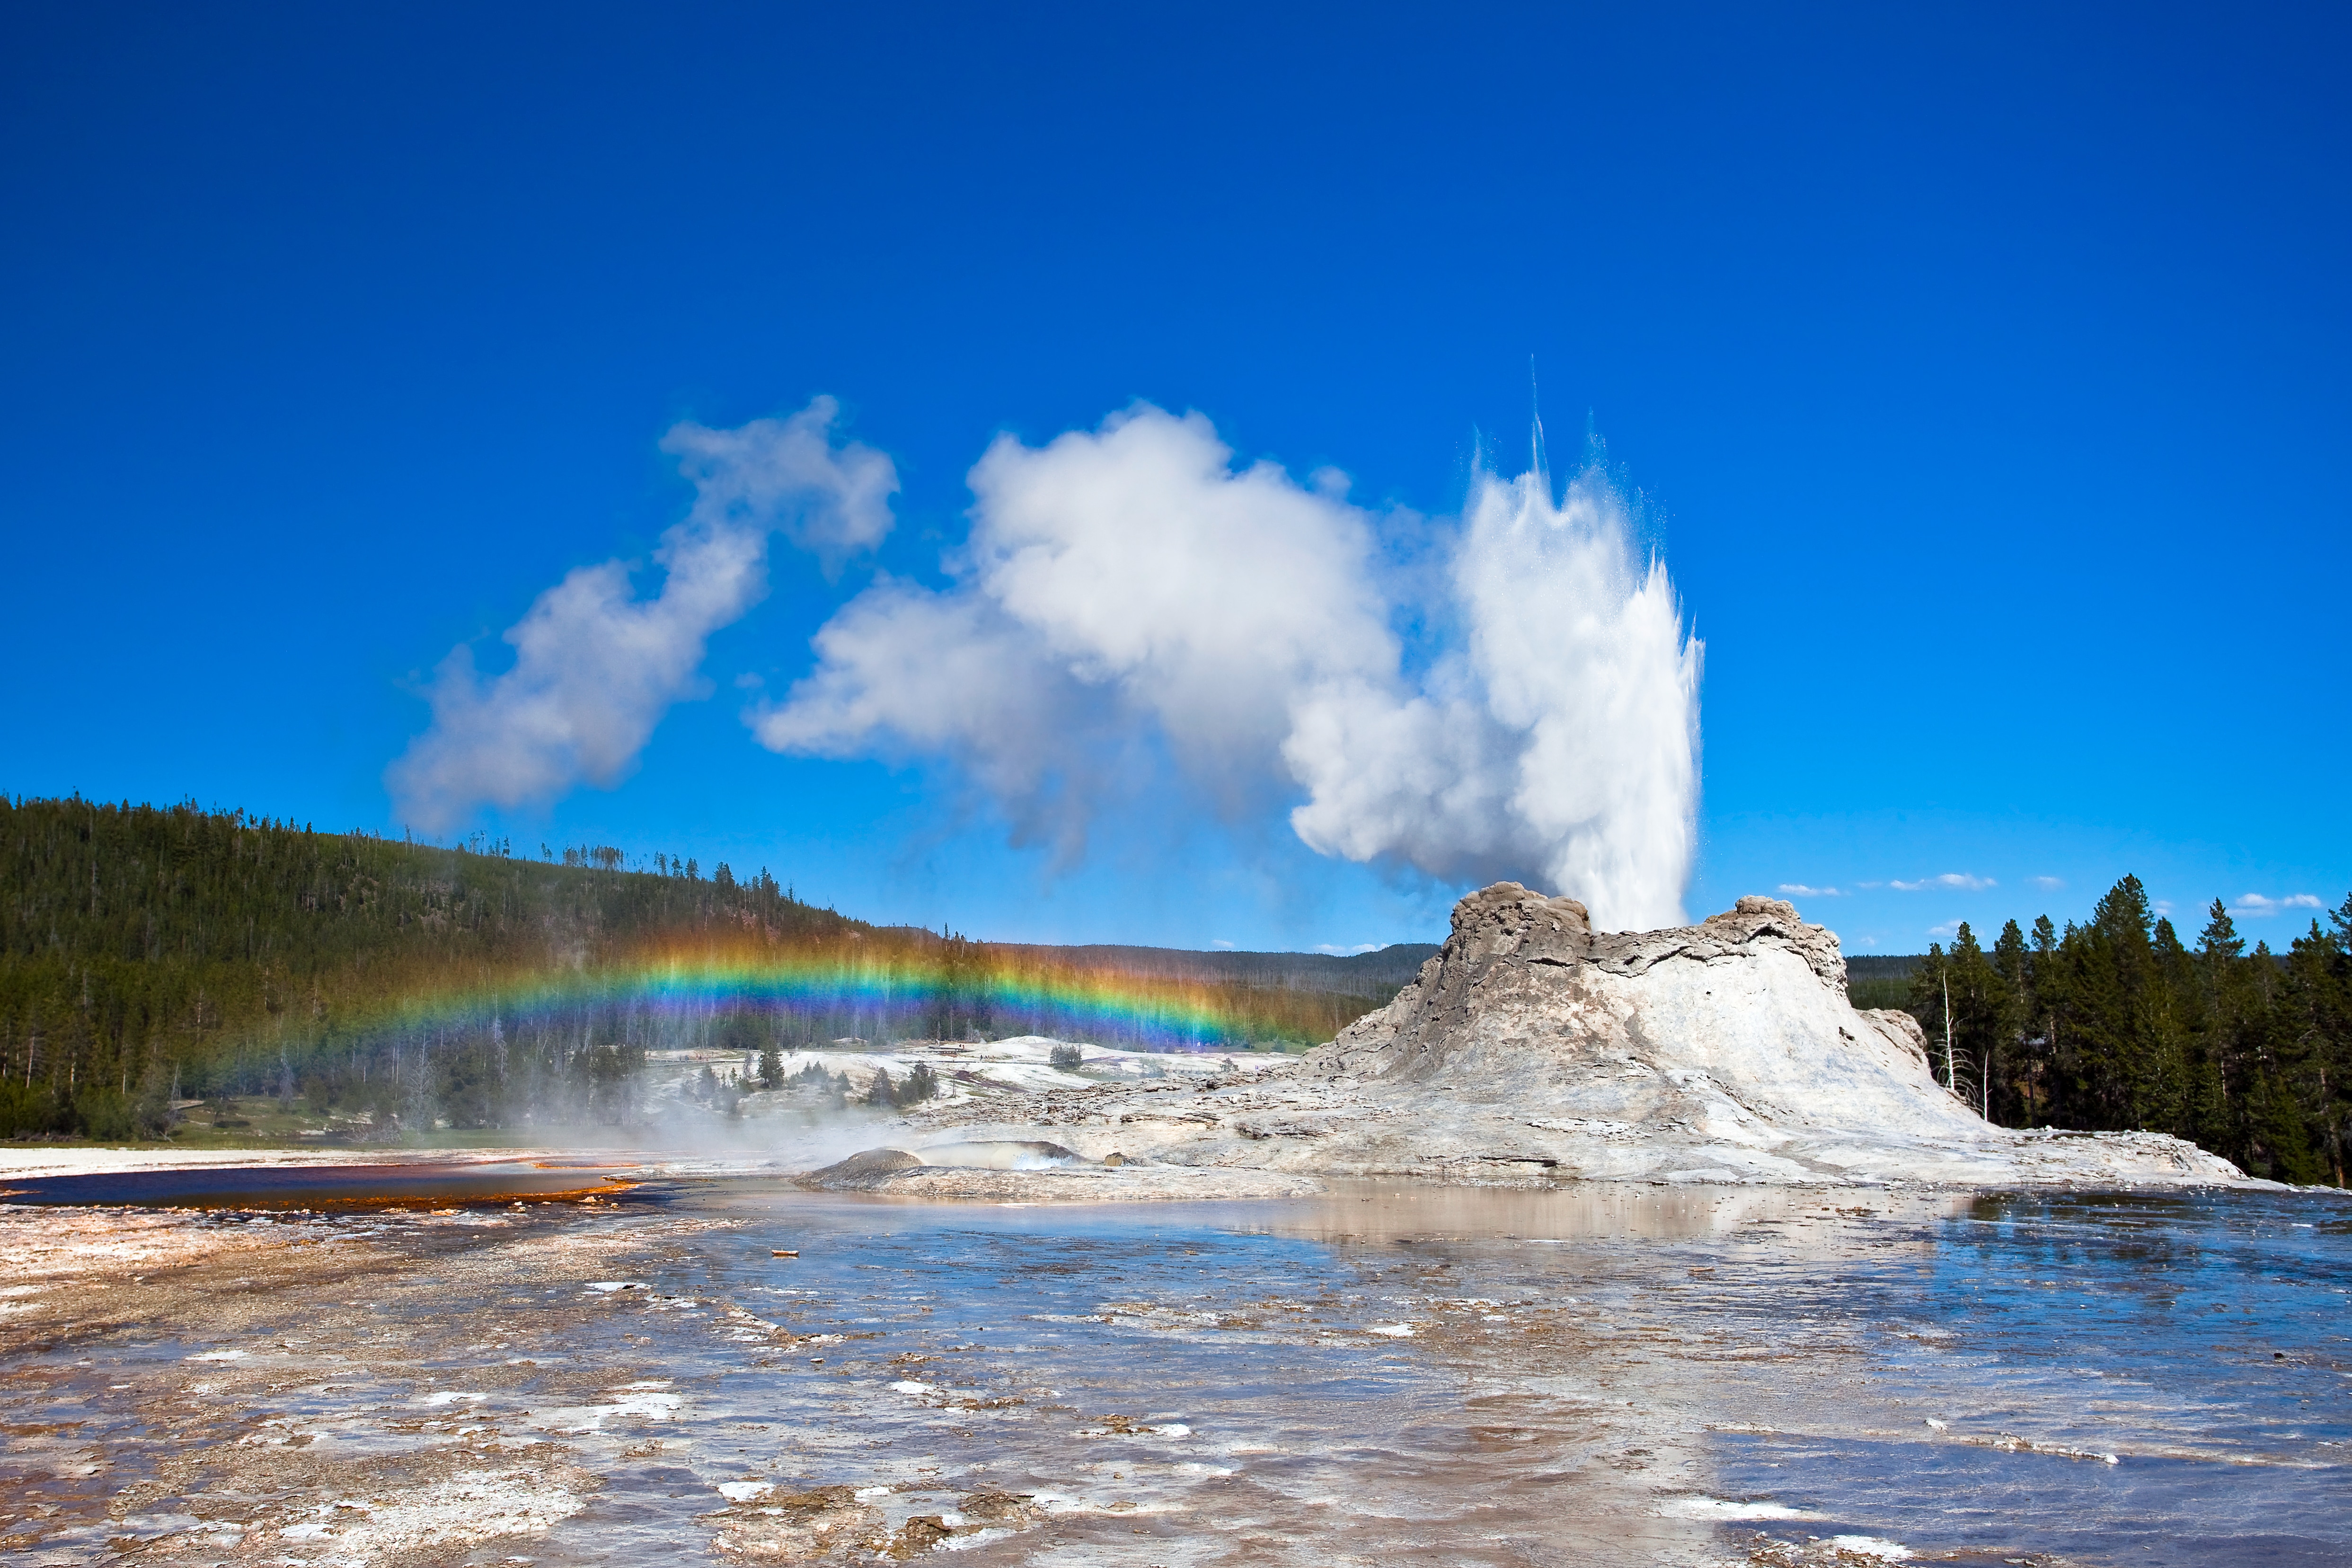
(1129, 603)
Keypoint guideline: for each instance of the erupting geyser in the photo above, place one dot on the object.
(1536, 1049)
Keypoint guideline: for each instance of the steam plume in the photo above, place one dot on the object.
(1130, 579)
(596, 667)
(1558, 745)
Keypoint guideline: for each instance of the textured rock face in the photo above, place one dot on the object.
(1533, 1045)
(1533, 1050)
(1741, 1019)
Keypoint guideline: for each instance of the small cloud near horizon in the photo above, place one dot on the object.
(1337, 951)
(1947, 931)
(1225, 942)
(1959, 879)
(2254, 906)
(2048, 884)
(1798, 890)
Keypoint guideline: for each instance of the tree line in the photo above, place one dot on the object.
(2117, 1024)
(152, 955)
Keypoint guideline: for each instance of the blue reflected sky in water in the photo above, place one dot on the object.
(1949, 1372)
(1386, 1376)
(2205, 1341)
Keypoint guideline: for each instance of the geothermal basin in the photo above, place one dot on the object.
(1380, 1373)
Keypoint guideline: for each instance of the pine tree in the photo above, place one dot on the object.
(1982, 1007)
(2211, 1111)
(2015, 1071)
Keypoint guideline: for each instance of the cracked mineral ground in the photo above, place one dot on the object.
(728, 1369)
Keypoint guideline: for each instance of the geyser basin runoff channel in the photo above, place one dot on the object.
(337, 1186)
(1606, 1375)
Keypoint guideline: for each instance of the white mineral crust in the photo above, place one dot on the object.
(1533, 1050)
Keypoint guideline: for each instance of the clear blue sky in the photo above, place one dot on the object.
(1985, 372)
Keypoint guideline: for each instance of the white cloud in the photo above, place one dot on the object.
(1337, 951)
(1798, 890)
(1225, 942)
(904, 672)
(787, 474)
(2048, 884)
(2253, 906)
(1946, 932)
(595, 666)
(1949, 880)
(1130, 580)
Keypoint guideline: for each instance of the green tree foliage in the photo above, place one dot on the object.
(1970, 1012)
(148, 955)
(2115, 1024)
(151, 955)
(920, 1085)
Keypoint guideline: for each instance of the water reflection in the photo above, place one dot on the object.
(1384, 1375)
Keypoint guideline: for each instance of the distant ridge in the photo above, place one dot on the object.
(1384, 969)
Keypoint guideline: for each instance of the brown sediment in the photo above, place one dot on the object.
(339, 1186)
(436, 1203)
(201, 1457)
(800, 1527)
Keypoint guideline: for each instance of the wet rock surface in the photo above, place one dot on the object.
(1378, 1376)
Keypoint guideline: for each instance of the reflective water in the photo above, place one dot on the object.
(1441, 1375)
(290, 1186)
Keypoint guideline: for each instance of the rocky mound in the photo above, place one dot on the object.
(875, 1170)
(1035, 1170)
(1727, 1050)
(1533, 1050)
(1740, 1020)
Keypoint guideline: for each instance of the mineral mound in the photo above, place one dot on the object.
(1742, 1019)
(1533, 1050)
(1727, 1050)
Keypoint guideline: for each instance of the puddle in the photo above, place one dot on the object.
(351, 1186)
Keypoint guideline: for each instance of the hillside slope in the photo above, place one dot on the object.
(150, 953)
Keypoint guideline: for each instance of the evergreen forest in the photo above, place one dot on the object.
(154, 956)
(2115, 1024)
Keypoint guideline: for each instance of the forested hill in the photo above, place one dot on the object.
(134, 939)
(148, 949)
(1380, 972)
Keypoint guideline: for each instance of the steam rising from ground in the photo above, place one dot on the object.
(1526, 706)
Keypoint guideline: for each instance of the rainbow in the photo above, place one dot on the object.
(863, 987)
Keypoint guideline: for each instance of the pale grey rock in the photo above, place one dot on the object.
(1724, 1051)
(1533, 1050)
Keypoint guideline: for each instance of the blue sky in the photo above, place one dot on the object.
(1982, 376)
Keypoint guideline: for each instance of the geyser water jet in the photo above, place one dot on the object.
(1555, 745)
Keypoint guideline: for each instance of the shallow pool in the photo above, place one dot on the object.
(1600, 1375)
